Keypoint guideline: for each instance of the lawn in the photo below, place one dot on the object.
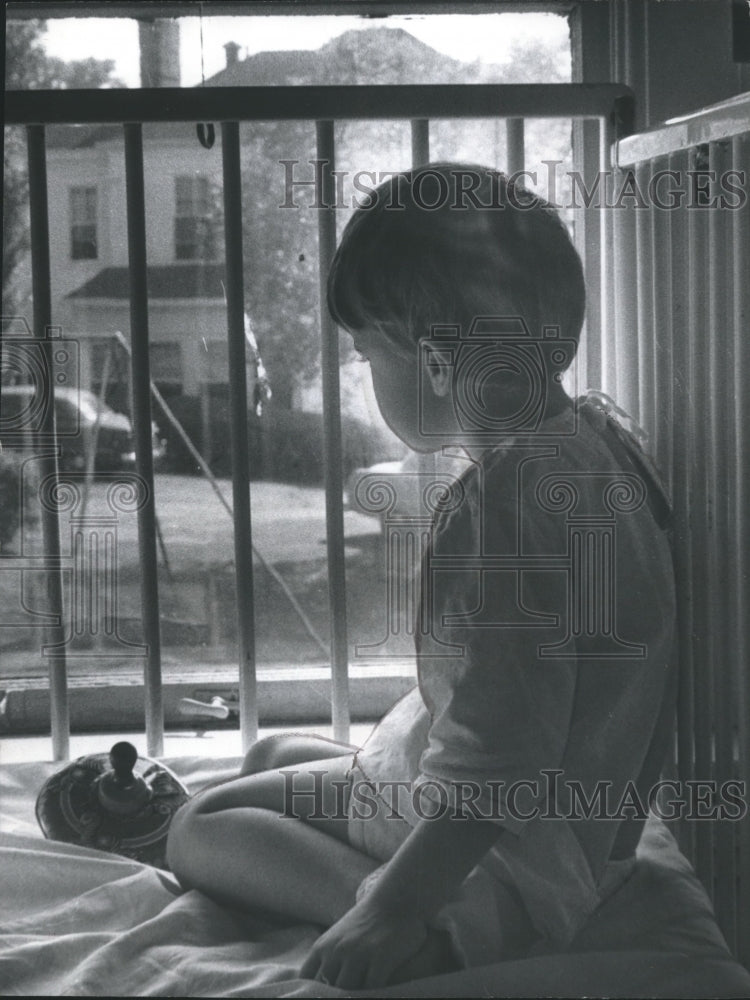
(196, 574)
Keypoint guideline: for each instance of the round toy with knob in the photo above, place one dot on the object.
(117, 802)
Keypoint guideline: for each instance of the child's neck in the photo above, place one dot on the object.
(558, 401)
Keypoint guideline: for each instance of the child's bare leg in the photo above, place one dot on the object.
(285, 749)
(235, 843)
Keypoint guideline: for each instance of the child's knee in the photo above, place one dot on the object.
(184, 847)
(282, 750)
(264, 755)
(178, 844)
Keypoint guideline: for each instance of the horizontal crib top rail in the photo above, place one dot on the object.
(191, 104)
(710, 124)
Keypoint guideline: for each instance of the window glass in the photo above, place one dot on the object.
(83, 244)
(166, 362)
(187, 324)
(194, 231)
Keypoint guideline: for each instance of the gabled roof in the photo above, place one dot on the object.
(87, 136)
(165, 281)
(272, 69)
(354, 57)
(341, 60)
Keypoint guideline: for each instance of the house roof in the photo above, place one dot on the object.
(165, 281)
(353, 57)
(374, 56)
(86, 136)
(272, 69)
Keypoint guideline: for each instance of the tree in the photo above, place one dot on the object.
(281, 244)
(28, 67)
(281, 249)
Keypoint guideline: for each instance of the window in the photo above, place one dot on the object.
(194, 230)
(189, 364)
(166, 363)
(83, 243)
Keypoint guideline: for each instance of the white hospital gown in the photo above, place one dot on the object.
(555, 673)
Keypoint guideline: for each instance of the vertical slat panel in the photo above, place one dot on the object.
(54, 634)
(420, 142)
(587, 238)
(607, 260)
(243, 552)
(515, 138)
(721, 416)
(647, 331)
(141, 387)
(661, 359)
(682, 253)
(332, 443)
(420, 155)
(625, 304)
(739, 583)
(699, 521)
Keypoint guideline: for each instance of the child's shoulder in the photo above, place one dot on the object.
(580, 452)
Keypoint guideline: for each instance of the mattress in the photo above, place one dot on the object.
(75, 921)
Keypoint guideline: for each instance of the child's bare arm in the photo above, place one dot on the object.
(389, 926)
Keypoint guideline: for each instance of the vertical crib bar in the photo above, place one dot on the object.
(739, 586)
(243, 551)
(721, 559)
(587, 233)
(647, 330)
(420, 155)
(682, 261)
(661, 359)
(54, 634)
(141, 388)
(420, 142)
(332, 443)
(700, 521)
(515, 139)
(626, 292)
(606, 135)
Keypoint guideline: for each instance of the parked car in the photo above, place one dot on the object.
(81, 417)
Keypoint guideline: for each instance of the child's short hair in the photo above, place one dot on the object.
(447, 242)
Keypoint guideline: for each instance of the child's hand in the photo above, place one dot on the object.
(364, 948)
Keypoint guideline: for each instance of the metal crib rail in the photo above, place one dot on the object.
(612, 104)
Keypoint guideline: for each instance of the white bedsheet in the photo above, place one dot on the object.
(79, 922)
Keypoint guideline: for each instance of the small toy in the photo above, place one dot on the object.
(117, 802)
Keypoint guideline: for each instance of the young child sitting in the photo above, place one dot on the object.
(496, 805)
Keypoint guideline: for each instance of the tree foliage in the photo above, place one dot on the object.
(281, 281)
(28, 67)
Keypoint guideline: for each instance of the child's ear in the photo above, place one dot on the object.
(440, 372)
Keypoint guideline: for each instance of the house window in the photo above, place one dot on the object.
(194, 229)
(166, 367)
(83, 243)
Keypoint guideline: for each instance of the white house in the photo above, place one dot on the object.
(88, 244)
(88, 226)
